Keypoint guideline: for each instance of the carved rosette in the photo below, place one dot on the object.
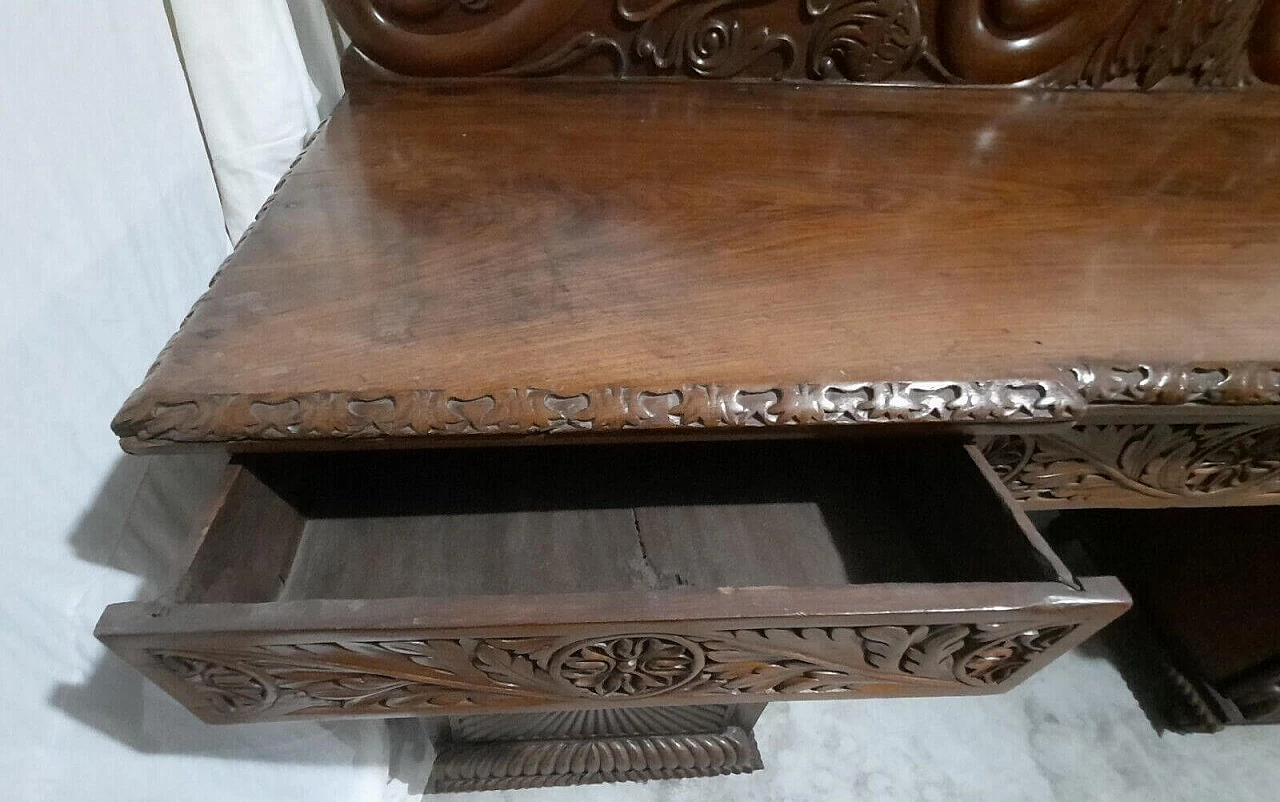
(1165, 463)
(1209, 43)
(629, 666)
(459, 675)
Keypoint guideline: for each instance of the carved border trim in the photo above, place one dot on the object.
(1236, 383)
(146, 419)
(326, 415)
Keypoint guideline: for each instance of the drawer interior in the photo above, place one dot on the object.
(578, 518)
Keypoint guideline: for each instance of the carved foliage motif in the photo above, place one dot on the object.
(1169, 462)
(387, 677)
(1063, 43)
(1204, 40)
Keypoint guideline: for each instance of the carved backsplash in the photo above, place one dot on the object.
(1052, 43)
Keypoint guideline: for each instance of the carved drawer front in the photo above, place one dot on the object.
(591, 576)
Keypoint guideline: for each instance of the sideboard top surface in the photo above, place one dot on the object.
(466, 240)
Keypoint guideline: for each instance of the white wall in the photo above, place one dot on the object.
(110, 227)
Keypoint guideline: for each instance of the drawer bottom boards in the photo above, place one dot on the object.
(590, 577)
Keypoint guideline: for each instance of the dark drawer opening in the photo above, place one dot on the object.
(578, 518)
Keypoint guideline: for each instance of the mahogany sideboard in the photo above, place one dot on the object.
(593, 405)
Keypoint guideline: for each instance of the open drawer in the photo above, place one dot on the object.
(560, 577)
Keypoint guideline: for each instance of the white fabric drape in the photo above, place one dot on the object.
(110, 226)
(262, 73)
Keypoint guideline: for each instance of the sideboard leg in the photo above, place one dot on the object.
(533, 750)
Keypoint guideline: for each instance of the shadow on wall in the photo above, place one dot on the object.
(144, 521)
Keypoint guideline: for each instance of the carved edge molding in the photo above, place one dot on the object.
(539, 764)
(465, 675)
(1165, 464)
(1091, 43)
(1231, 383)
(148, 420)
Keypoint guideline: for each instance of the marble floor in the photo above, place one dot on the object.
(1073, 732)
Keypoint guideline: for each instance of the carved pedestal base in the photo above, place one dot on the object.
(496, 752)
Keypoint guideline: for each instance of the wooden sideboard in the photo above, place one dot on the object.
(594, 405)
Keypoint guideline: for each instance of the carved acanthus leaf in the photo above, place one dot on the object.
(1164, 462)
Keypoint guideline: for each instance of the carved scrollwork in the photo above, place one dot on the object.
(1227, 463)
(998, 651)
(863, 40)
(388, 677)
(677, 34)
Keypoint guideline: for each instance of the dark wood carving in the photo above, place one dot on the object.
(576, 747)
(417, 413)
(1239, 383)
(539, 764)
(452, 675)
(1094, 43)
(533, 410)
(1141, 465)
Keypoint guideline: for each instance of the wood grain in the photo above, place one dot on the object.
(465, 242)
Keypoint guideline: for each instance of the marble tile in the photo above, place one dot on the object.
(1072, 732)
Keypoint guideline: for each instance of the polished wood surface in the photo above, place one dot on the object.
(471, 241)
(1066, 43)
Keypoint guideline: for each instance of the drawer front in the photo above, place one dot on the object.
(234, 663)
(311, 596)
